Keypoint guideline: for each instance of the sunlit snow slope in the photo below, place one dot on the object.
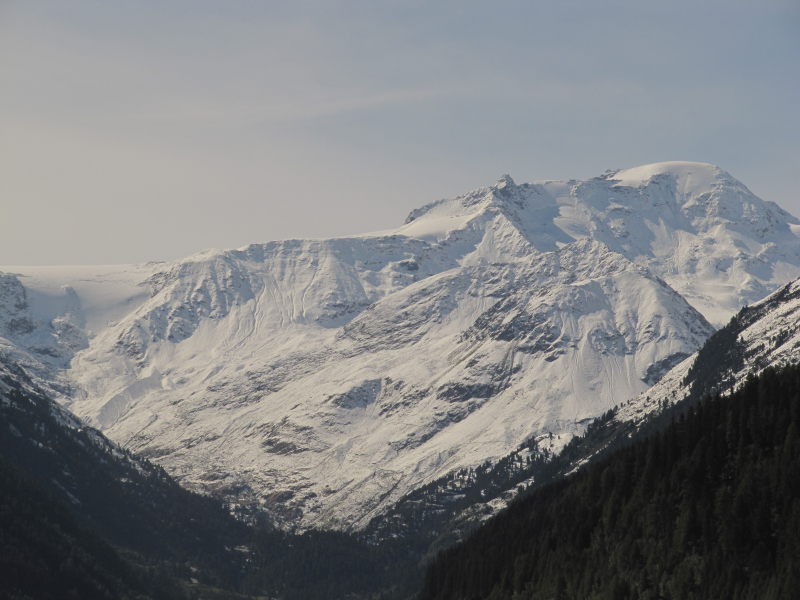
(324, 379)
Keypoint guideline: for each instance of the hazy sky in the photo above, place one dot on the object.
(145, 130)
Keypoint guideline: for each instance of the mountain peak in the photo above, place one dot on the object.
(505, 180)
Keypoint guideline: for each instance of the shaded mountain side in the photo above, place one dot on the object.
(709, 507)
(46, 554)
(128, 501)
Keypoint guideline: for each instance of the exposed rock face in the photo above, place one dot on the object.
(15, 317)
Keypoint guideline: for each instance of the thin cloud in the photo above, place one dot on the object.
(301, 110)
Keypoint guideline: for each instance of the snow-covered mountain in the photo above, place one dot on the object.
(325, 379)
(692, 224)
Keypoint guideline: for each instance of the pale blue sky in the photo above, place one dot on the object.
(133, 131)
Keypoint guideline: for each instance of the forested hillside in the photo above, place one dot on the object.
(46, 554)
(709, 507)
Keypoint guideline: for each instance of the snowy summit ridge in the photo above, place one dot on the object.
(325, 379)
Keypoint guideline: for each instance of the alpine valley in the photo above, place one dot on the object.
(325, 382)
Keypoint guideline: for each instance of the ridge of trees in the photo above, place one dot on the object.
(707, 507)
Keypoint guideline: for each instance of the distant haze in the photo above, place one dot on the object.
(136, 131)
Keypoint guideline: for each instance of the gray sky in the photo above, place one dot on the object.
(134, 131)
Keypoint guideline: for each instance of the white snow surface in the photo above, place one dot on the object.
(325, 379)
(689, 177)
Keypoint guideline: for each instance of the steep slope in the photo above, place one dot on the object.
(707, 508)
(766, 334)
(326, 379)
(46, 554)
(117, 496)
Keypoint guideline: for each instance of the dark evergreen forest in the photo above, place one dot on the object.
(46, 554)
(708, 507)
